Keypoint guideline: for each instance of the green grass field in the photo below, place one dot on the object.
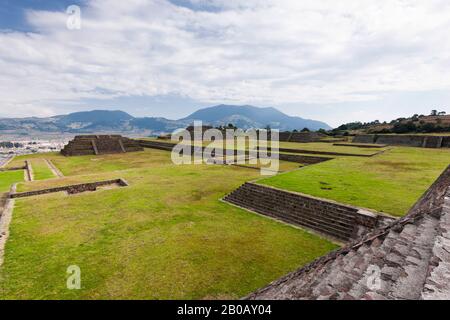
(329, 147)
(390, 182)
(41, 170)
(7, 178)
(165, 236)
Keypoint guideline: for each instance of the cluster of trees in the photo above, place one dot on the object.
(303, 130)
(410, 126)
(228, 126)
(416, 123)
(358, 125)
(413, 124)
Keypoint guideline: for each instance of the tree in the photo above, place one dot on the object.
(428, 127)
(404, 127)
(442, 113)
(433, 113)
(305, 130)
(323, 131)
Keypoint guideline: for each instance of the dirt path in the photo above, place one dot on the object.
(6, 209)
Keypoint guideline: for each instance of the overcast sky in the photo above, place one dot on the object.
(335, 61)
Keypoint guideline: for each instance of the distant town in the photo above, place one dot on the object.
(22, 147)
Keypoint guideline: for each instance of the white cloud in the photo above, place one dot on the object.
(261, 52)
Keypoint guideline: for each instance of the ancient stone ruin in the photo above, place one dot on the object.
(288, 136)
(100, 144)
(303, 159)
(341, 222)
(407, 259)
(419, 141)
(72, 189)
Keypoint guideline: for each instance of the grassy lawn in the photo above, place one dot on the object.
(165, 236)
(41, 170)
(329, 147)
(7, 178)
(390, 182)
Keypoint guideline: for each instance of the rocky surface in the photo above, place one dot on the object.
(408, 259)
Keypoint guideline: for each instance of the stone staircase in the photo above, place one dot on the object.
(392, 266)
(80, 146)
(335, 220)
(407, 259)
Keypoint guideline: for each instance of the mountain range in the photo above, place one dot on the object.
(244, 117)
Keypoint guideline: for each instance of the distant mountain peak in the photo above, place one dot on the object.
(93, 121)
(247, 116)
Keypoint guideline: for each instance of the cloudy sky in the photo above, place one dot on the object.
(335, 61)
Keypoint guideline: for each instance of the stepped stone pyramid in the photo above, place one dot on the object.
(100, 144)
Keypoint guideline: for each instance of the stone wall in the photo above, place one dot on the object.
(364, 138)
(284, 136)
(401, 140)
(28, 171)
(13, 168)
(356, 145)
(71, 189)
(304, 137)
(285, 157)
(100, 144)
(325, 153)
(341, 222)
(3, 200)
(419, 141)
(302, 159)
(167, 146)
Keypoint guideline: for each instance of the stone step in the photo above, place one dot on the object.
(262, 190)
(294, 215)
(300, 221)
(288, 204)
(279, 208)
(294, 204)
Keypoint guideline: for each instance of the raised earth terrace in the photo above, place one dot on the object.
(419, 141)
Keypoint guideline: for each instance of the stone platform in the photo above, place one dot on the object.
(418, 141)
(100, 144)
